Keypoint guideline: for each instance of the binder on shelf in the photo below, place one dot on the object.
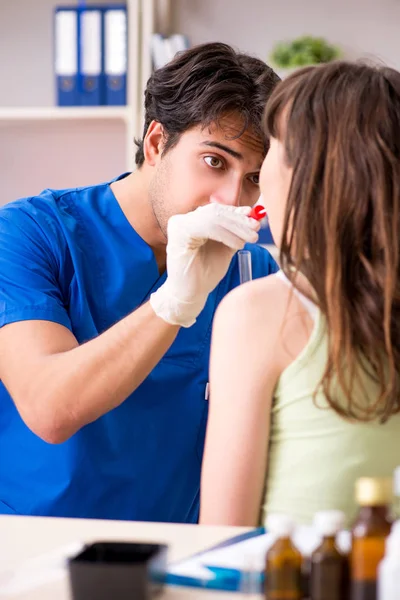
(164, 49)
(66, 55)
(115, 54)
(158, 52)
(90, 54)
(176, 43)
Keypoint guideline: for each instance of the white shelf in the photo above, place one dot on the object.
(63, 113)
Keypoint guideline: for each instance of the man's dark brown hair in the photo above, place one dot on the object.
(202, 85)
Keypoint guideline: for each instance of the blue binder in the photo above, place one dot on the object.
(90, 55)
(115, 54)
(66, 55)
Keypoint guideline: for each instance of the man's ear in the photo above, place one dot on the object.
(153, 143)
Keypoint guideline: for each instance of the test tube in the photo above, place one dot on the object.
(245, 273)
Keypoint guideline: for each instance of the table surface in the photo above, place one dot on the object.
(26, 537)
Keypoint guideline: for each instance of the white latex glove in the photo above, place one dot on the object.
(201, 245)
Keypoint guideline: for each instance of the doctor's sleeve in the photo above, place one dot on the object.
(29, 270)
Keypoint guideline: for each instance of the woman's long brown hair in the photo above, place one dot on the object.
(340, 126)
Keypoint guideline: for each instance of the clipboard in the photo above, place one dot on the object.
(199, 572)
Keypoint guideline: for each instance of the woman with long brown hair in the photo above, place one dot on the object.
(305, 364)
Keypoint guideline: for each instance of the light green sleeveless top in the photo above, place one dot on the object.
(315, 455)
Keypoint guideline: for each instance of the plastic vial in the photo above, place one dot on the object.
(245, 268)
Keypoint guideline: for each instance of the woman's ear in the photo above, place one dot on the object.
(153, 143)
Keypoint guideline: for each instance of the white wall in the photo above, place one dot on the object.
(35, 155)
(360, 27)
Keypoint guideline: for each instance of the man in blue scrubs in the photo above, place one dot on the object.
(107, 296)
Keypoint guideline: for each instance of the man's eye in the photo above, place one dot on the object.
(255, 179)
(214, 162)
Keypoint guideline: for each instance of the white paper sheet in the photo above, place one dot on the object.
(37, 571)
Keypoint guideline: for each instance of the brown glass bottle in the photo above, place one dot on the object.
(369, 531)
(305, 576)
(329, 574)
(283, 562)
(329, 578)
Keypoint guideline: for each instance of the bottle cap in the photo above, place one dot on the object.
(396, 482)
(280, 524)
(374, 491)
(258, 212)
(329, 522)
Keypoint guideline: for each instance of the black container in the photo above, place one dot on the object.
(118, 571)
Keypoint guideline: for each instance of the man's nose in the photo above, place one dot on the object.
(230, 194)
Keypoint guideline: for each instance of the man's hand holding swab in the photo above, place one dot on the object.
(200, 247)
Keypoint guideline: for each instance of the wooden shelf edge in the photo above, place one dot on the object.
(63, 113)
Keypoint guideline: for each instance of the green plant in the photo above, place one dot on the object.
(306, 50)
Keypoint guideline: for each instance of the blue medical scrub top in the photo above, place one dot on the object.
(72, 257)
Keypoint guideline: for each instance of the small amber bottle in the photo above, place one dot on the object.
(283, 561)
(329, 577)
(369, 531)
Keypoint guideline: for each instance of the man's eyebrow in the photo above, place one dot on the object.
(233, 153)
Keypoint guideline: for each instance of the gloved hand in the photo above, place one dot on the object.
(200, 247)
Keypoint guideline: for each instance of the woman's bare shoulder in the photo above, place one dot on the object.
(260, 297)
(269, 316)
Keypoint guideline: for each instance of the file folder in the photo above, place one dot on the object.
(90, 35)
(175, 43)
(164, 49)
(198, 571)
(115, 54)
(66, 55)
(158, 51)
